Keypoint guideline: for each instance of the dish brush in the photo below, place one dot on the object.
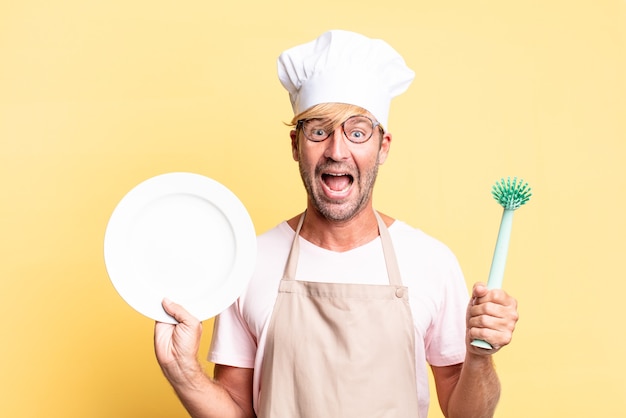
(511, 195)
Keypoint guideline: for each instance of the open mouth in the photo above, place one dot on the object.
(337, 182)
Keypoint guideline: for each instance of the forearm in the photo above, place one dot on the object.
(202, 396)
(477, 391)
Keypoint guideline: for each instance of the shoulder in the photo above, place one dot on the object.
(275, 239)
(272, 250)
(410, 239)
(424, 260)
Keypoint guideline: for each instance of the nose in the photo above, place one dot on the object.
(337, 146)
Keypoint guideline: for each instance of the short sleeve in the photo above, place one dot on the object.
(232, 344)
(445, 340)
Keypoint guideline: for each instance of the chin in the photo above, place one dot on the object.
(338, 212)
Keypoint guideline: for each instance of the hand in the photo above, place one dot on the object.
(176, 345)
(491, 316)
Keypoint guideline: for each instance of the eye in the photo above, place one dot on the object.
(318, 133)
(358, 129)
(316, 130)
(357, 135)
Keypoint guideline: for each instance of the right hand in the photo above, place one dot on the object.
(176, 345)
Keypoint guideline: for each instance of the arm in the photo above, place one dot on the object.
(472, 389)
(176, 348)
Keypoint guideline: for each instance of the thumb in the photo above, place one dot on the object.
(176, 311)
(480, 289)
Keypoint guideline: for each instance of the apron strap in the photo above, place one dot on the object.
(393, 271)
(390, 255)
(292, 260)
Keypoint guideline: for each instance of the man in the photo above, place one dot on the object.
(346, 305)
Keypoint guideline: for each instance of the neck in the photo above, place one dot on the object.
(339, 235)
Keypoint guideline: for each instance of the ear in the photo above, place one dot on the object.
(385, 145)
(294, 144)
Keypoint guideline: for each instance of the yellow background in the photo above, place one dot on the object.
(97, 96)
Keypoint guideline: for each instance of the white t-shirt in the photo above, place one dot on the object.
(437, 295)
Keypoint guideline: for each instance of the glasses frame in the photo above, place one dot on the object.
(301, 122)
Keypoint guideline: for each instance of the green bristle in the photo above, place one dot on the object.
(511, 194)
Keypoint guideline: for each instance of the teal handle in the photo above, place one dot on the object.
(496, 274)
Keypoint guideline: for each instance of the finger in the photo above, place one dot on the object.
(494, 308)
(491, 322)
(506, 315)
(497, 330)
(498, 297)
(484, 335)
(176, 311)
(497, 338)
(479, 290)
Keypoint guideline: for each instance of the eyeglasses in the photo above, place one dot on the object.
(357, 129)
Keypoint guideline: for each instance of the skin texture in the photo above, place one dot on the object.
(315, 165)
(340, 219)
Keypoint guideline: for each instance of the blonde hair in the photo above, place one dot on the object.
(335, 112)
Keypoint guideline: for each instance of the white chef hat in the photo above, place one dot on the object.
(344, 67)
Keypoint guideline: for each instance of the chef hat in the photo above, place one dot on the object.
(344, 67)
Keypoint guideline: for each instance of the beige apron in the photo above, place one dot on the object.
(338, 350)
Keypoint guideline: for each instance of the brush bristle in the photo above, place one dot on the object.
(511, 194)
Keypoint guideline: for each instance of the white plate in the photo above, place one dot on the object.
(182, 236)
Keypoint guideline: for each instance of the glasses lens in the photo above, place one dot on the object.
(316, 130)
(358, 129)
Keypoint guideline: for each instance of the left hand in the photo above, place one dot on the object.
(491, 316)
(176, 345)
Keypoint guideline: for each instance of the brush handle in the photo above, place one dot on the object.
(496, 274)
